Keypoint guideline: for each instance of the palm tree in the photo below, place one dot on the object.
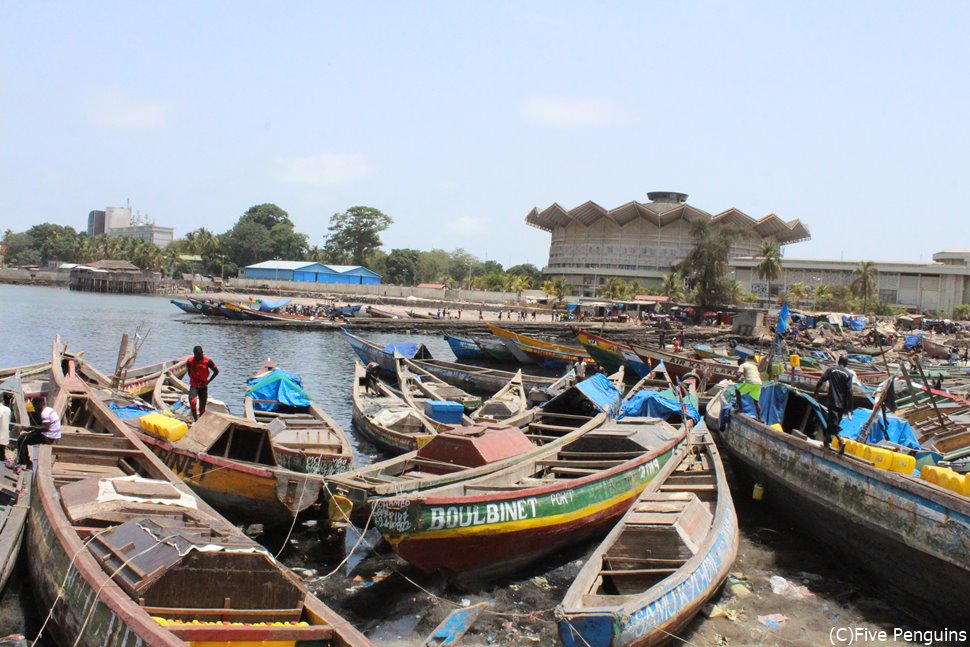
(822, 296)
(797, 292)
(672, 287)
(615, 288)
(864, 282)
(736, 292)
(770, 266)
(557, 288)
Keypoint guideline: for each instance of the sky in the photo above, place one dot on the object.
(456, 118)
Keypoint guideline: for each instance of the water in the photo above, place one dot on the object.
(94, 323)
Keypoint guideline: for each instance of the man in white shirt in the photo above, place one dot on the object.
(47, 433)
(5, 421)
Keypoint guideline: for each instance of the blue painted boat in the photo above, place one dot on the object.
(464, 348)
(186, 307)
(664, 559)
(908, 535)
(383, 356)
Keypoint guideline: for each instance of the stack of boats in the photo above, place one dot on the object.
(488, 471)
(264, 310)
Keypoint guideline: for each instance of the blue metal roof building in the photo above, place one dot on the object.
(311, 272)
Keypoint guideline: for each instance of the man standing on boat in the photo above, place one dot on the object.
(199, 378)
(749, 378)
(839, 396)
(47, 433)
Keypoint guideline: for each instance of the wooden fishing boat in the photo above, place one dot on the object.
(384, 418)
(479, 378)
(305, 438)
(464, 348)
(908, 535)
(14, 504)
(418, 315)
(122, 554)
(171, 395)
(500, 522)
(494, 349)
(535, 343)
(611, 354)
(136, 381)
(206, 307)
(464, 453)
(935, 348)
(371, 352)
(510, 401)
(677, 366)
(418, 386)
(283, 317)
(662, 562)
(377, 313)
(186, 306)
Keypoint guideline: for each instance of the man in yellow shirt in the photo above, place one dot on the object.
(749, 383)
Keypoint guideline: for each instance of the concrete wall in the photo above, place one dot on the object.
(467, 296)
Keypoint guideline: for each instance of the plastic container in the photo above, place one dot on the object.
(881, 458)
(932, 474)
(903, 463)
(164, 426)
(450, 413)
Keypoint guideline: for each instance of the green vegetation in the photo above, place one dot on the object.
(265, 232)
(962, 312)
(770, 265)
(706, 263)
(864, 282)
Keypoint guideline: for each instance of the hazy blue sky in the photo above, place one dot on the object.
(456, 118)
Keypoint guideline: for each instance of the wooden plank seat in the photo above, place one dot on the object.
(573, 471)
(689, 487)
(580, 463)
(639, 571)
(202, 634)
(228, 614)
(542, 426)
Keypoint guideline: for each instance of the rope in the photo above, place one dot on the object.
(60, 589)
(295, 515)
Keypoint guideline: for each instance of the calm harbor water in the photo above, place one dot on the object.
(94, 323)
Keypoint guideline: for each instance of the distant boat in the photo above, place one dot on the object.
(494, 348)
(664, 559)
(186, 306)
(539, 350)
(464, 348)
(377, 313)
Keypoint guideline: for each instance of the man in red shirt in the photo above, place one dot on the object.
(199, 378)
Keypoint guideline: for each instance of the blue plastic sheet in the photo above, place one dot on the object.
(774, 399)
(134, 410)
(654, 404)
(267, 306)
(602, 393)
(410, 351)
(277, 387)
(912, 340)
(898, 430)
(856, 323)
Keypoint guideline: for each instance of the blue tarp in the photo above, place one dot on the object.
(912, 340)
(267, 306)
(899, 431)
(134, 410)
(277, 386)
(410, 351)
(856, 323)
(602, 393)
(774, 399)
(654, 404)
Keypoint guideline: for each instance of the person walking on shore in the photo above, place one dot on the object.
(200, 367)
(47, 433)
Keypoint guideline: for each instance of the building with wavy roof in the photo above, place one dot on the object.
(642, 241)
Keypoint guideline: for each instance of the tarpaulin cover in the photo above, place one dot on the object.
(267, 306)
(410, 351)
(912, 340)
(783, 318)
(134, 410)
(654, 404)
(602, 393)
(898, 431)
(276, 386)
(856, 323)
(774, 399)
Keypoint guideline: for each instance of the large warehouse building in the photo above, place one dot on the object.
(312, 272)
(641, 241)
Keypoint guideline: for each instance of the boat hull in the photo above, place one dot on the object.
(677, 366)
(907, 538)
(488, 535)
(13, 522)
(242, 492)
(464, 348)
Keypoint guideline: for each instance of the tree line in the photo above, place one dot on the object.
(266, 232)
